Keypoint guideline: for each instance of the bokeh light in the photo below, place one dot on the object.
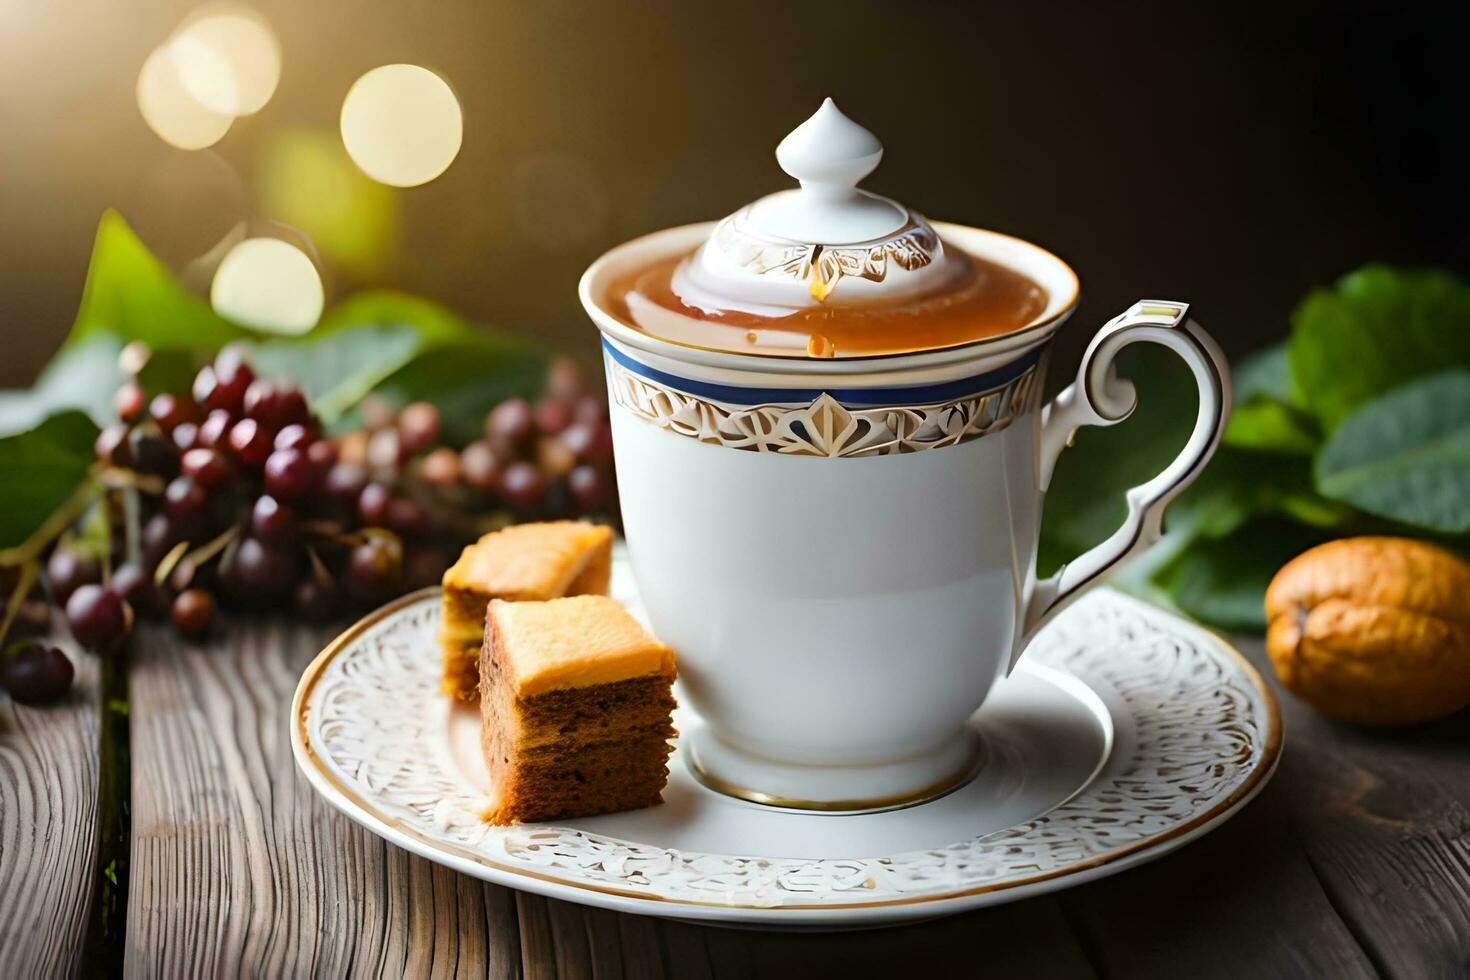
(402, 125)
(170, 110)
(268, 284)
(228, 59)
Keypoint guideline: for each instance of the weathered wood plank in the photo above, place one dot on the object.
(238, 867)
(1383, 816)
(48, 819)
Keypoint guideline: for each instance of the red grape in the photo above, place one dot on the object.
(353, 448)
(275, 403)
(591, 443)
(315, 600)
(591, 410)
(383, 451)
(522, 485)
(193, 611)
(112, 446)
(214, 432)
(207, 467)
(168, 411)
(184, 500)
(553, 456)
(587, 487)
(564, 379)
(509, 424)
(233, 376)
(271, 521)
(376, 411)
(294, 436)
(322, 453)
(69, 570)
(553, 415)
(208, 392)
(154, 456)
(372, 504)
(159, 535)
(185, 436)
(35, 674)
(345, 482)
(404, 514)
(480, 467)
(130, 403)
(260, 571)
(137, 588)
(418, 427)
(98, 617)
(289, 474)
(375, 567)
(251, 442)
(441, 467)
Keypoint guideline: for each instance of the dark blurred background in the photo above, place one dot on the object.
(1233, 156)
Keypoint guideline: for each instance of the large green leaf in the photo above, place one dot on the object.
(131, 295)
(1222, 581)
(1406, 455)
(1085, 503)
(338, 368)
(1377, 328)
(463, 369)
(42, 467)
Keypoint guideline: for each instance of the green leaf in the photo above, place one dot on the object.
(43, 467)
(1377, 328)
(1265, 372)
(131, 295)
(461, 368)
(1406, 455)
(1222, 581)
(1266, 424)
(337, 369)
(1085, 502)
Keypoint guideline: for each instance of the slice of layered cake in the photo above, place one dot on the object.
(522, 562)
(576, 701)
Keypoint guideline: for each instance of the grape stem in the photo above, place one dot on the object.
(23, 585)
(61, 518)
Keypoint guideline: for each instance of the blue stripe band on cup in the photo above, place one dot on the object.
(897, 397)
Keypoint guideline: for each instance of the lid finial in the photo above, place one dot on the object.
(829, 153)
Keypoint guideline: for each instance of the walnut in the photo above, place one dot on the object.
(1374, 630)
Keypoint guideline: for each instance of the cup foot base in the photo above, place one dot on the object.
(833, 789)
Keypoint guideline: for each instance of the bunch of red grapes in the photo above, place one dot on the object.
(246, 501)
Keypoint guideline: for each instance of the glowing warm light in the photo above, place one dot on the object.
(228, 60)
(169, 109)
(402, 125)
(270, 285)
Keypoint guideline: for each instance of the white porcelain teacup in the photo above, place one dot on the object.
(842, 551)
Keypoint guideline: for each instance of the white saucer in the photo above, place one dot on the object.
(1125, 733)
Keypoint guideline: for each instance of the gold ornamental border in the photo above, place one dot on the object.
(322, 778)
(824, 427)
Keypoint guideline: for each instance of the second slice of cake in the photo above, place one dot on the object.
(523, 562)
(576, 705)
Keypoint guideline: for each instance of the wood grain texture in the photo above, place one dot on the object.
(48, 819)
(239, 869)
(1351, 864)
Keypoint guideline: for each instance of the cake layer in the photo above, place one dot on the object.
(461, 674)
(583, 641)
(532, 562)
(606, 779)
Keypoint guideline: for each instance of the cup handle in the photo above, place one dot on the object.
(1100, 397)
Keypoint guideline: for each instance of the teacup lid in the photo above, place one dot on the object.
(827, 242)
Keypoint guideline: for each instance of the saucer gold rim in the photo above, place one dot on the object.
(518, 876)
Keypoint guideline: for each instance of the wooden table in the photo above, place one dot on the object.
(1355, 861)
